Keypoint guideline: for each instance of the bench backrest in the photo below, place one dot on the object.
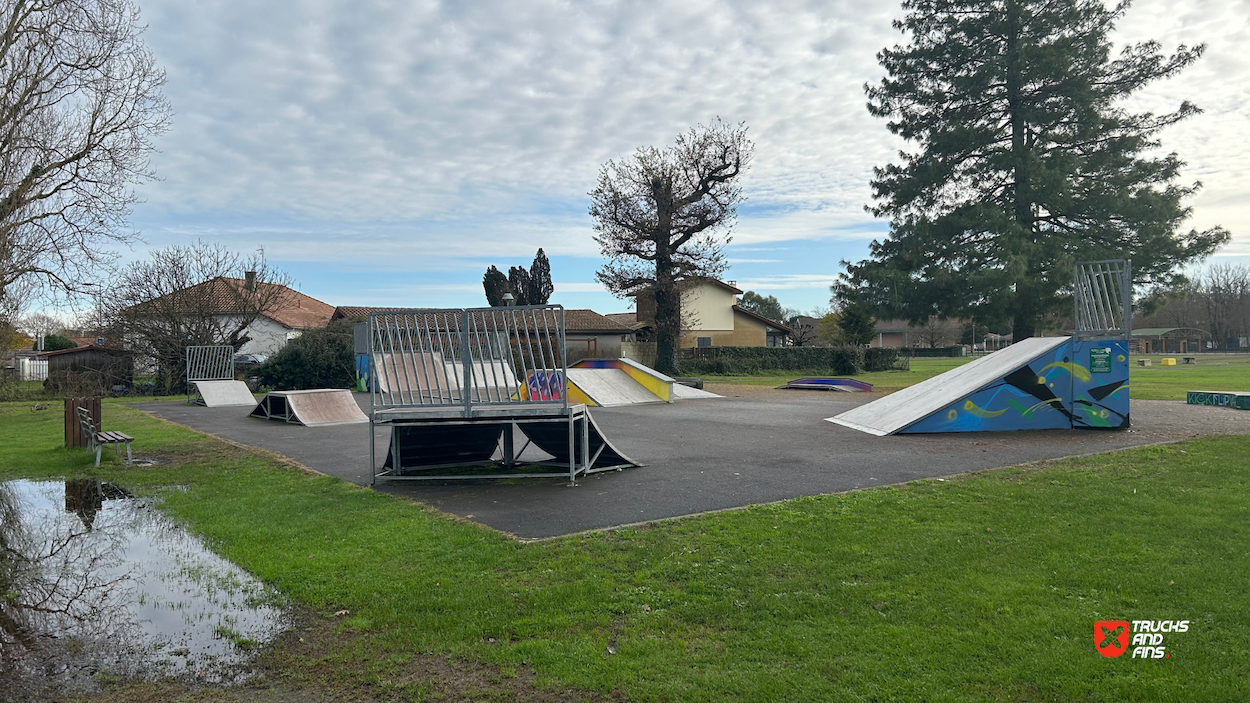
(88, 427)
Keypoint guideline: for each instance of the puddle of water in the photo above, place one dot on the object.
(96, 584)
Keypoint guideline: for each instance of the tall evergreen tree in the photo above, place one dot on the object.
(519, 282)
(496, 284)
(766, 305)
(1024, 160)
(541, 286)
(857, 325)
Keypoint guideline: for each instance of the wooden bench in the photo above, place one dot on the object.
(1143, 362)
(97, 440)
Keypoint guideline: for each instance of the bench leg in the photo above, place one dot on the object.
(98, 448)
(129, 459)
(117, 448)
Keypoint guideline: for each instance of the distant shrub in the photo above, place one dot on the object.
(879, 359)
(55, 342)
(751, 360)
(319, 358)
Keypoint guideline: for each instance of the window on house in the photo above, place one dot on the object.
(705, 341)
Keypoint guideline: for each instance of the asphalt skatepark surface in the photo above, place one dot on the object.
(756, 445)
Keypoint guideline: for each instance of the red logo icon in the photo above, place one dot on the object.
(1111, 637)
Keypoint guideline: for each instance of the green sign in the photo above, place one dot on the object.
(1100, 360)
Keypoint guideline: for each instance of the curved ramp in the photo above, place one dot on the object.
(220, 394)
(944, 403)
(553, 438)
(311, 408)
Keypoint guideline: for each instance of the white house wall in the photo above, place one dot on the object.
(707, 307)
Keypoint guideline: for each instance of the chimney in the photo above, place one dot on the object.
(734, 284)
(249, 280)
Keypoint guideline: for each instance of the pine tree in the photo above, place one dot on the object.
(541, 286)
(496, 284)
(1023, 161)
(519, 282)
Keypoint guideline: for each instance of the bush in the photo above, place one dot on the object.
(879, 359)
(319, 358)
(751, 360)
(55, 342)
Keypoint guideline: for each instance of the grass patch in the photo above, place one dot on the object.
(981, 588)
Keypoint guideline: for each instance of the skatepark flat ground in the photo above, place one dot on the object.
(753, 446)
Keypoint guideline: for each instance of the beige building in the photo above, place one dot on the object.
(711, 317)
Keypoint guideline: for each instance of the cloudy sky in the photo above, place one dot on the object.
(386, 152)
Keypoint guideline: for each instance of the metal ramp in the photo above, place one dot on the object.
(1037, 383)
(310, 408)
(217, 394)
(458, 387)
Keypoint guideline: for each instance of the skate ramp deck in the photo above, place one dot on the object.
(902, 409)
(311, 408)
(609, 387)
(219, 394)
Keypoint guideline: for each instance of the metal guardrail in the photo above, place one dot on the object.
(209, 363)
(459, 359)
(1103, 295)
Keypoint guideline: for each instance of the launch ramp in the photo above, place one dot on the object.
(217, 394)
(902, 409)
(210, 376)
(1037, 383)
(311, 408)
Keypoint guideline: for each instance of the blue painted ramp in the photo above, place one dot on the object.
(1037, 383)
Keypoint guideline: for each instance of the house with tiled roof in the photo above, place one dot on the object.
(711, 317)
(286, 315)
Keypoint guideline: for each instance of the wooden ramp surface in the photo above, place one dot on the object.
(611, 387)
(900, 409)
(219, 394)
(311, 408)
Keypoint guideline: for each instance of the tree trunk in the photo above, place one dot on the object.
(667, 318)
(1024, 321)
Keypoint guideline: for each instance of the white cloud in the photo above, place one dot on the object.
(421, 135)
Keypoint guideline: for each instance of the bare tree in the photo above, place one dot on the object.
(80, 106)
(937, 331)
(663, 216)
(202, 294)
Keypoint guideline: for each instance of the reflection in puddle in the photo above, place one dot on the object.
(95, 582)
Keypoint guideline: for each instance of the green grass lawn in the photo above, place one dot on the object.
(982, 588)
(1213, 372)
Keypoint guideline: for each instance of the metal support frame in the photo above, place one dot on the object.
(580, 463)
(209, 363)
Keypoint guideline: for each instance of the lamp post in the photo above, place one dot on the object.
(509, 300)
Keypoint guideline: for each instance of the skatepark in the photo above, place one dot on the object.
(758, 447)
(609, 442)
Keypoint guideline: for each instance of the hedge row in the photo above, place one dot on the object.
(749, 360)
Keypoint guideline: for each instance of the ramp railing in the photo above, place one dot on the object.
(209, 363)
(1103, 294)
(464, 358)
